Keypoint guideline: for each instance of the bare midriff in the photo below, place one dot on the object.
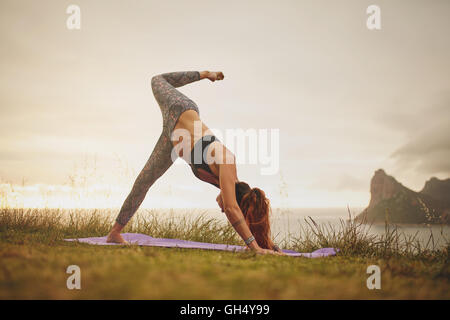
(187, 122)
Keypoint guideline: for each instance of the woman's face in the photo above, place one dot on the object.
(219, 201)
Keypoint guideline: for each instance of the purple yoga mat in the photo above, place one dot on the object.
(145, 240)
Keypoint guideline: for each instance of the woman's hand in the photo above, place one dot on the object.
(268, 251)
(212, 76)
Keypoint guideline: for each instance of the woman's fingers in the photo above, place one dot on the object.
(276, 253)
(268, 251)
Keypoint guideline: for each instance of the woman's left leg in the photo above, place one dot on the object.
(159, 161)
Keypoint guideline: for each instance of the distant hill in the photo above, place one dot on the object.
(395, 202)
(438, 189)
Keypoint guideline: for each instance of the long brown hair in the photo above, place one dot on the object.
(256, 208)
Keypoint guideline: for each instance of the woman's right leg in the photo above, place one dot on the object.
(159, 161)
(172, 104)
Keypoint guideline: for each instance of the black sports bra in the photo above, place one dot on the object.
(201, 169)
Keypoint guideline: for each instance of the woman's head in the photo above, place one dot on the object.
(256, 208)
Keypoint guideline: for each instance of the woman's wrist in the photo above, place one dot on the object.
(249, 240)
(253, 245)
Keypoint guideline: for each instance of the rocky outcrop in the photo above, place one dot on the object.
(383, 187)
(438, 189)
(391, 201)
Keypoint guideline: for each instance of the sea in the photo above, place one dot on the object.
(289, 223)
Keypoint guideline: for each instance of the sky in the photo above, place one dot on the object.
(77, 107)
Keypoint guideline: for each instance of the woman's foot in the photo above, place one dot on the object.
(213, 76)
(115, 237)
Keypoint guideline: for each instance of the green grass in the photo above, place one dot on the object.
(34, 259)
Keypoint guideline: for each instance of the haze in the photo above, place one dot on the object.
(347, 100)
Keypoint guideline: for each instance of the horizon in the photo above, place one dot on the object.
(77, 107)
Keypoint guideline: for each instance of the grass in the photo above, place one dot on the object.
(34, 259)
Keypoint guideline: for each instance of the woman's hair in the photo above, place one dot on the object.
(255, 207)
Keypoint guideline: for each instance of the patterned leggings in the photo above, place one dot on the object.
(172, 104)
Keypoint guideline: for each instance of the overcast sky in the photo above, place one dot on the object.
(347, 100)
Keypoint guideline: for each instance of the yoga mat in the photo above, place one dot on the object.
(145, 240)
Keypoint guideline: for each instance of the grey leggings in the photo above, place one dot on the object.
(172, 104)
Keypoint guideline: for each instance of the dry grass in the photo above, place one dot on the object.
(34, 261)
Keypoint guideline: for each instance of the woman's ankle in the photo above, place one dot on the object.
(116, 228)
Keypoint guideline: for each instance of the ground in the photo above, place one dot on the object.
(38, 271)
(34, 259)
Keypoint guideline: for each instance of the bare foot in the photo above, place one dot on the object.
(212, 75)
(115, 237)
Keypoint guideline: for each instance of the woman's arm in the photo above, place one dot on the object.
(230, 206)
(227, 174)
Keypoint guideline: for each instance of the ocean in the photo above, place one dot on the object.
(290, 222)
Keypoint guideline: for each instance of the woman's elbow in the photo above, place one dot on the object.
(231, 210)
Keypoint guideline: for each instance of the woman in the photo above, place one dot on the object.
(247, 209)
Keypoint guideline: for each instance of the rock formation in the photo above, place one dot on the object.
(391, 201)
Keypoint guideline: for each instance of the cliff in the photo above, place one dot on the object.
(438, 189)
(392, 201)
